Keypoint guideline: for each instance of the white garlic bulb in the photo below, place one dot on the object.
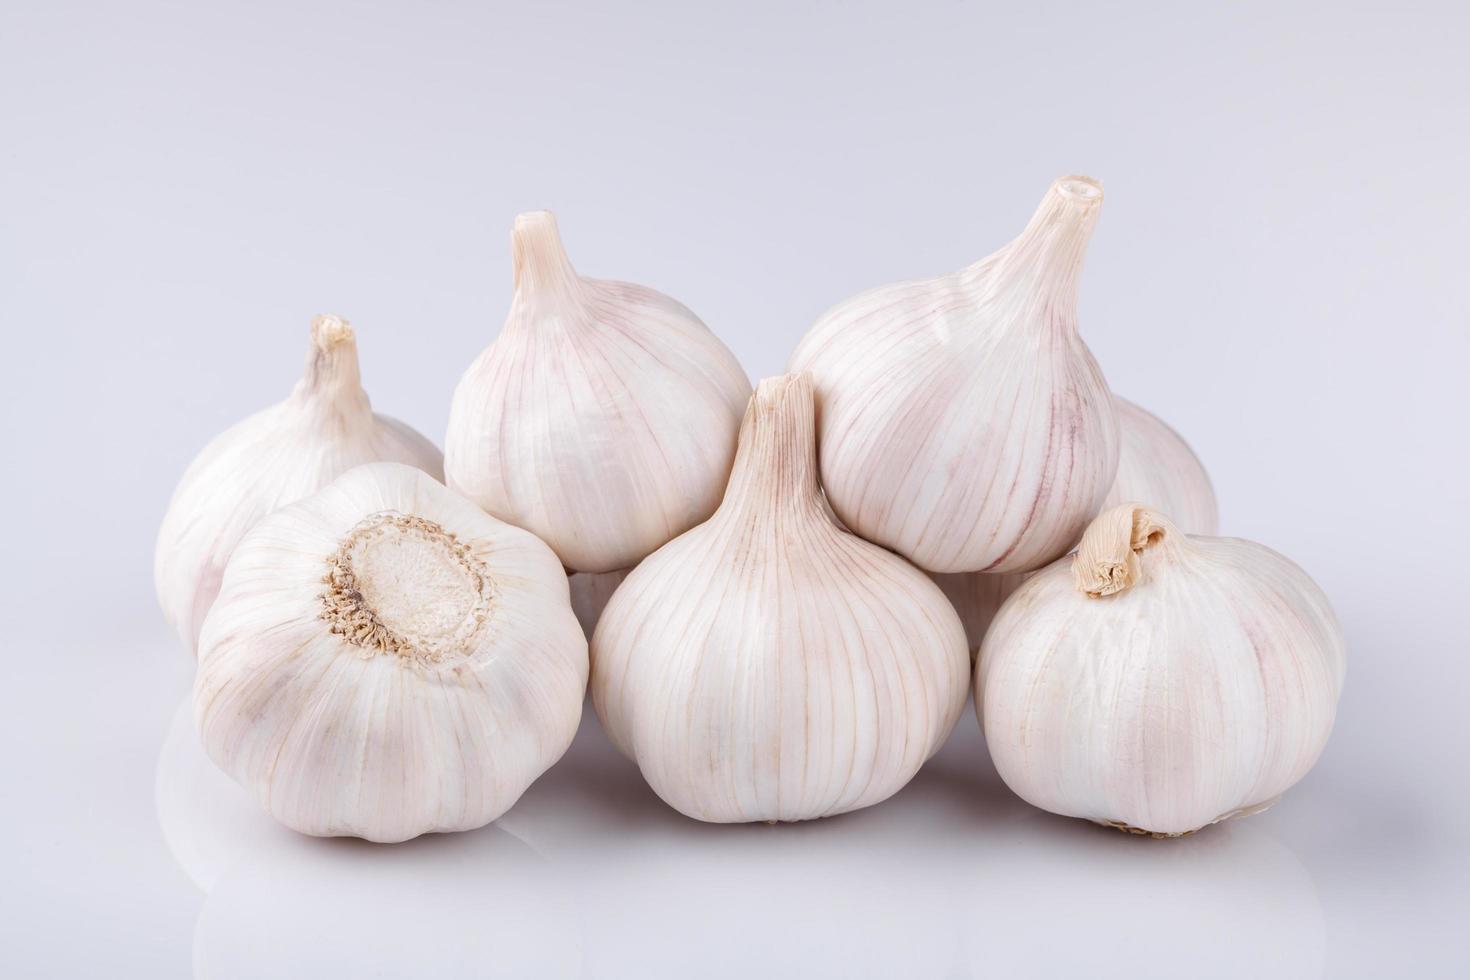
(272, 458)
(602, 419)
(976, 596)
(963, 422)
(768, 665)
(590, 592)
(1159, 682)
(386, 660)
(1157, 467)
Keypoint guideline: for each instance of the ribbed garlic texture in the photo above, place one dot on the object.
(1159, 682)
(1156, 467)
(963, 422)
(769, 665)
(603, 418)
(386, 660)
(272, 458)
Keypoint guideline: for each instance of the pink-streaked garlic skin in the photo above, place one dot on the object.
(340, 736)
(977, 597)
(962, 421)
(1157, 467)
(272, 458)
(1205, 689)
(603, 418)
(769, 665)
(590, 593)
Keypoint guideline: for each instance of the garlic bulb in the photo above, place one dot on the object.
(1159, 682)
(386, 660)
(602, 419)
(272, 458)
(1156, 466)
(768, 665)
(963, 422)
(590, 592)
(976, 596)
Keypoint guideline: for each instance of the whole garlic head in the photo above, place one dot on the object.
(963, 422)
(386, 660)
(1159, 682)
(1156, 466)
(768, 665)
(603, 418)
(272, 458)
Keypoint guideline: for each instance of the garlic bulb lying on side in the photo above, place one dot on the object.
(976, 596)
(1159, 682)
(590, 592)
(1156, 466)
(276, 456)
(386, 660)
(768, 665)
(602, 419)
(963, 422)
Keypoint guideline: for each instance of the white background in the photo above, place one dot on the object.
(1279, 272)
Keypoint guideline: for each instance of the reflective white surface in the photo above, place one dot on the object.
(1279, 273)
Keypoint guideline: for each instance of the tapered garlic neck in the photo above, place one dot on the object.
(776, 462)
(403, 585)
(1107, 562)
(1043, 263)
(332, 379)
(540, 264)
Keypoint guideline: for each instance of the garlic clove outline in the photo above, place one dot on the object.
(274, 457)
(1159, 682)
(767, 664)
(602, 419)
(386, 660)
(963, 422)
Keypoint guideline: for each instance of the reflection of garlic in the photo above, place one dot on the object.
(386, 660)
(602, 419)
(590, 592)
(976, 596)
(271, 458)
(964, 423)
(1159, 682)
(767, 665)
(1156, 467)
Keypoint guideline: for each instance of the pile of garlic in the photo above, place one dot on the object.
(802, 585)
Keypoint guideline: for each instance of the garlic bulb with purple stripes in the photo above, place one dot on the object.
(963, 422)
(603, 417)
(1159, 682)
(769, 665)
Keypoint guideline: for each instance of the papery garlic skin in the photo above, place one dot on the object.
(963, 422)
(590, 593)
(977, 596)
(272, 458)
(1156, 467)
(769, 665)
(1159, 682)
(386, 660)
(603, 418)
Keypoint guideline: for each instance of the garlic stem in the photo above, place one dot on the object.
(538, 261)
(1106, 562)
(776, 464)
(1044, 261)
(332, 376)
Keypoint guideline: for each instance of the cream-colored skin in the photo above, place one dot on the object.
(590, 593)
(1159, 682)
(272, 458)
(603, 418)
(768, 665)
(963, 422)
(1155, 465)
(386, 660)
